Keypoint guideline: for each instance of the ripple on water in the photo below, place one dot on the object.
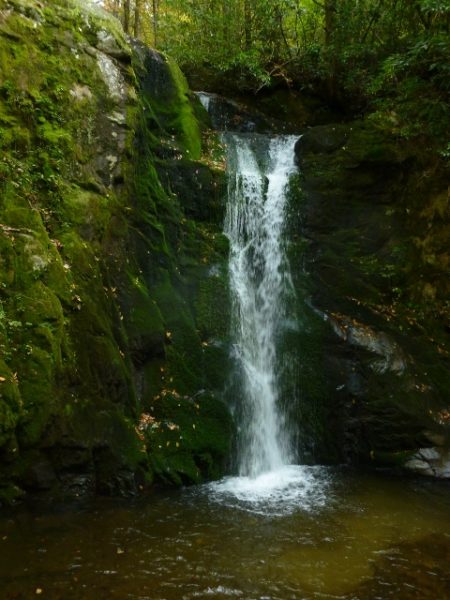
(219, 590)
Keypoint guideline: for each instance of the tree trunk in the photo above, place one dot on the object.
(248, 24)
(331, 47)
(330, 21)
(155, 22)
(137, 18)
(126, 16)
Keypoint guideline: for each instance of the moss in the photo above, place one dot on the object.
(185, 118)
(39, 393)
(11, 408)
(145, 326)
(187, 438)
(171, 111)
(90, 212)
(99, 267)
(211, 306)
(183, 350)
(10, 494)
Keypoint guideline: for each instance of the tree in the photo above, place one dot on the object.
(357, 53)
(138, 4)
(126, 15)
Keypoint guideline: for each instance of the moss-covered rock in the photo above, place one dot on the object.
(188, 438)
(372, 230)
(102, 262)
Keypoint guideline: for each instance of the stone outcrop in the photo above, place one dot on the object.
(370, 220)
(111, 351)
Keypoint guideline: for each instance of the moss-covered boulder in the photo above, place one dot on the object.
(103, 265)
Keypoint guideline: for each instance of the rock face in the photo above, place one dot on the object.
(370, 230)
(111, 348)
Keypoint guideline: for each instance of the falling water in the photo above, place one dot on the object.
(262, 387)
(259, 168)
(205, 100)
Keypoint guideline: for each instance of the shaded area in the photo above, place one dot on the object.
(371, 258)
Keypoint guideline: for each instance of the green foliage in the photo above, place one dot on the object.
(365, 56)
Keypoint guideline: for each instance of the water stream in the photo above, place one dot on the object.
(259, 169)
(260, 282)
(375, 538)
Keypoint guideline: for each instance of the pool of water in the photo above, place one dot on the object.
(305, 534)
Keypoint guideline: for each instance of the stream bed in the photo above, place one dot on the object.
(343, 535)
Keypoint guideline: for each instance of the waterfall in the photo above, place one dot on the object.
(260, 283)
(205, 100)
(263, 384)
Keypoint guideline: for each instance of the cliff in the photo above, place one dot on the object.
(370, 234)
(111, 261)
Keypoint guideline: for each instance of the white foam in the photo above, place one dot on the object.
(288, 489)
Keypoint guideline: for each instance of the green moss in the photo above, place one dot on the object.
(99, 268)
(193, 339)
(169, 109)
(10, 494)
(145, 325)
(89, 211)
(187, 438)
(11, 408)
(185, 119)
(40, 396)
(212, 303)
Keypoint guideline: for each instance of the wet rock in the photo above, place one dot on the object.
(190, 181)
(78, 484)
(112, 476)
(104, 266)
(118, 118)
(229, 115)
(322, 139)
(40, 476)
(74, 457)
(432, 461)
(112, 76)
(384, 393)
(81, 93)
(108, 44)
(361, 335)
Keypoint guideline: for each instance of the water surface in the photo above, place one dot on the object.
(345, 536)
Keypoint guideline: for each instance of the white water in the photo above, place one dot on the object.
(205, 99)
(259, 171)
(259, 282)
(281, 491)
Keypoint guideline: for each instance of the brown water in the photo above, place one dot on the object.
(355, 537)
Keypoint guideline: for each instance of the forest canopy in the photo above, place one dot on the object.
(391, 57)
